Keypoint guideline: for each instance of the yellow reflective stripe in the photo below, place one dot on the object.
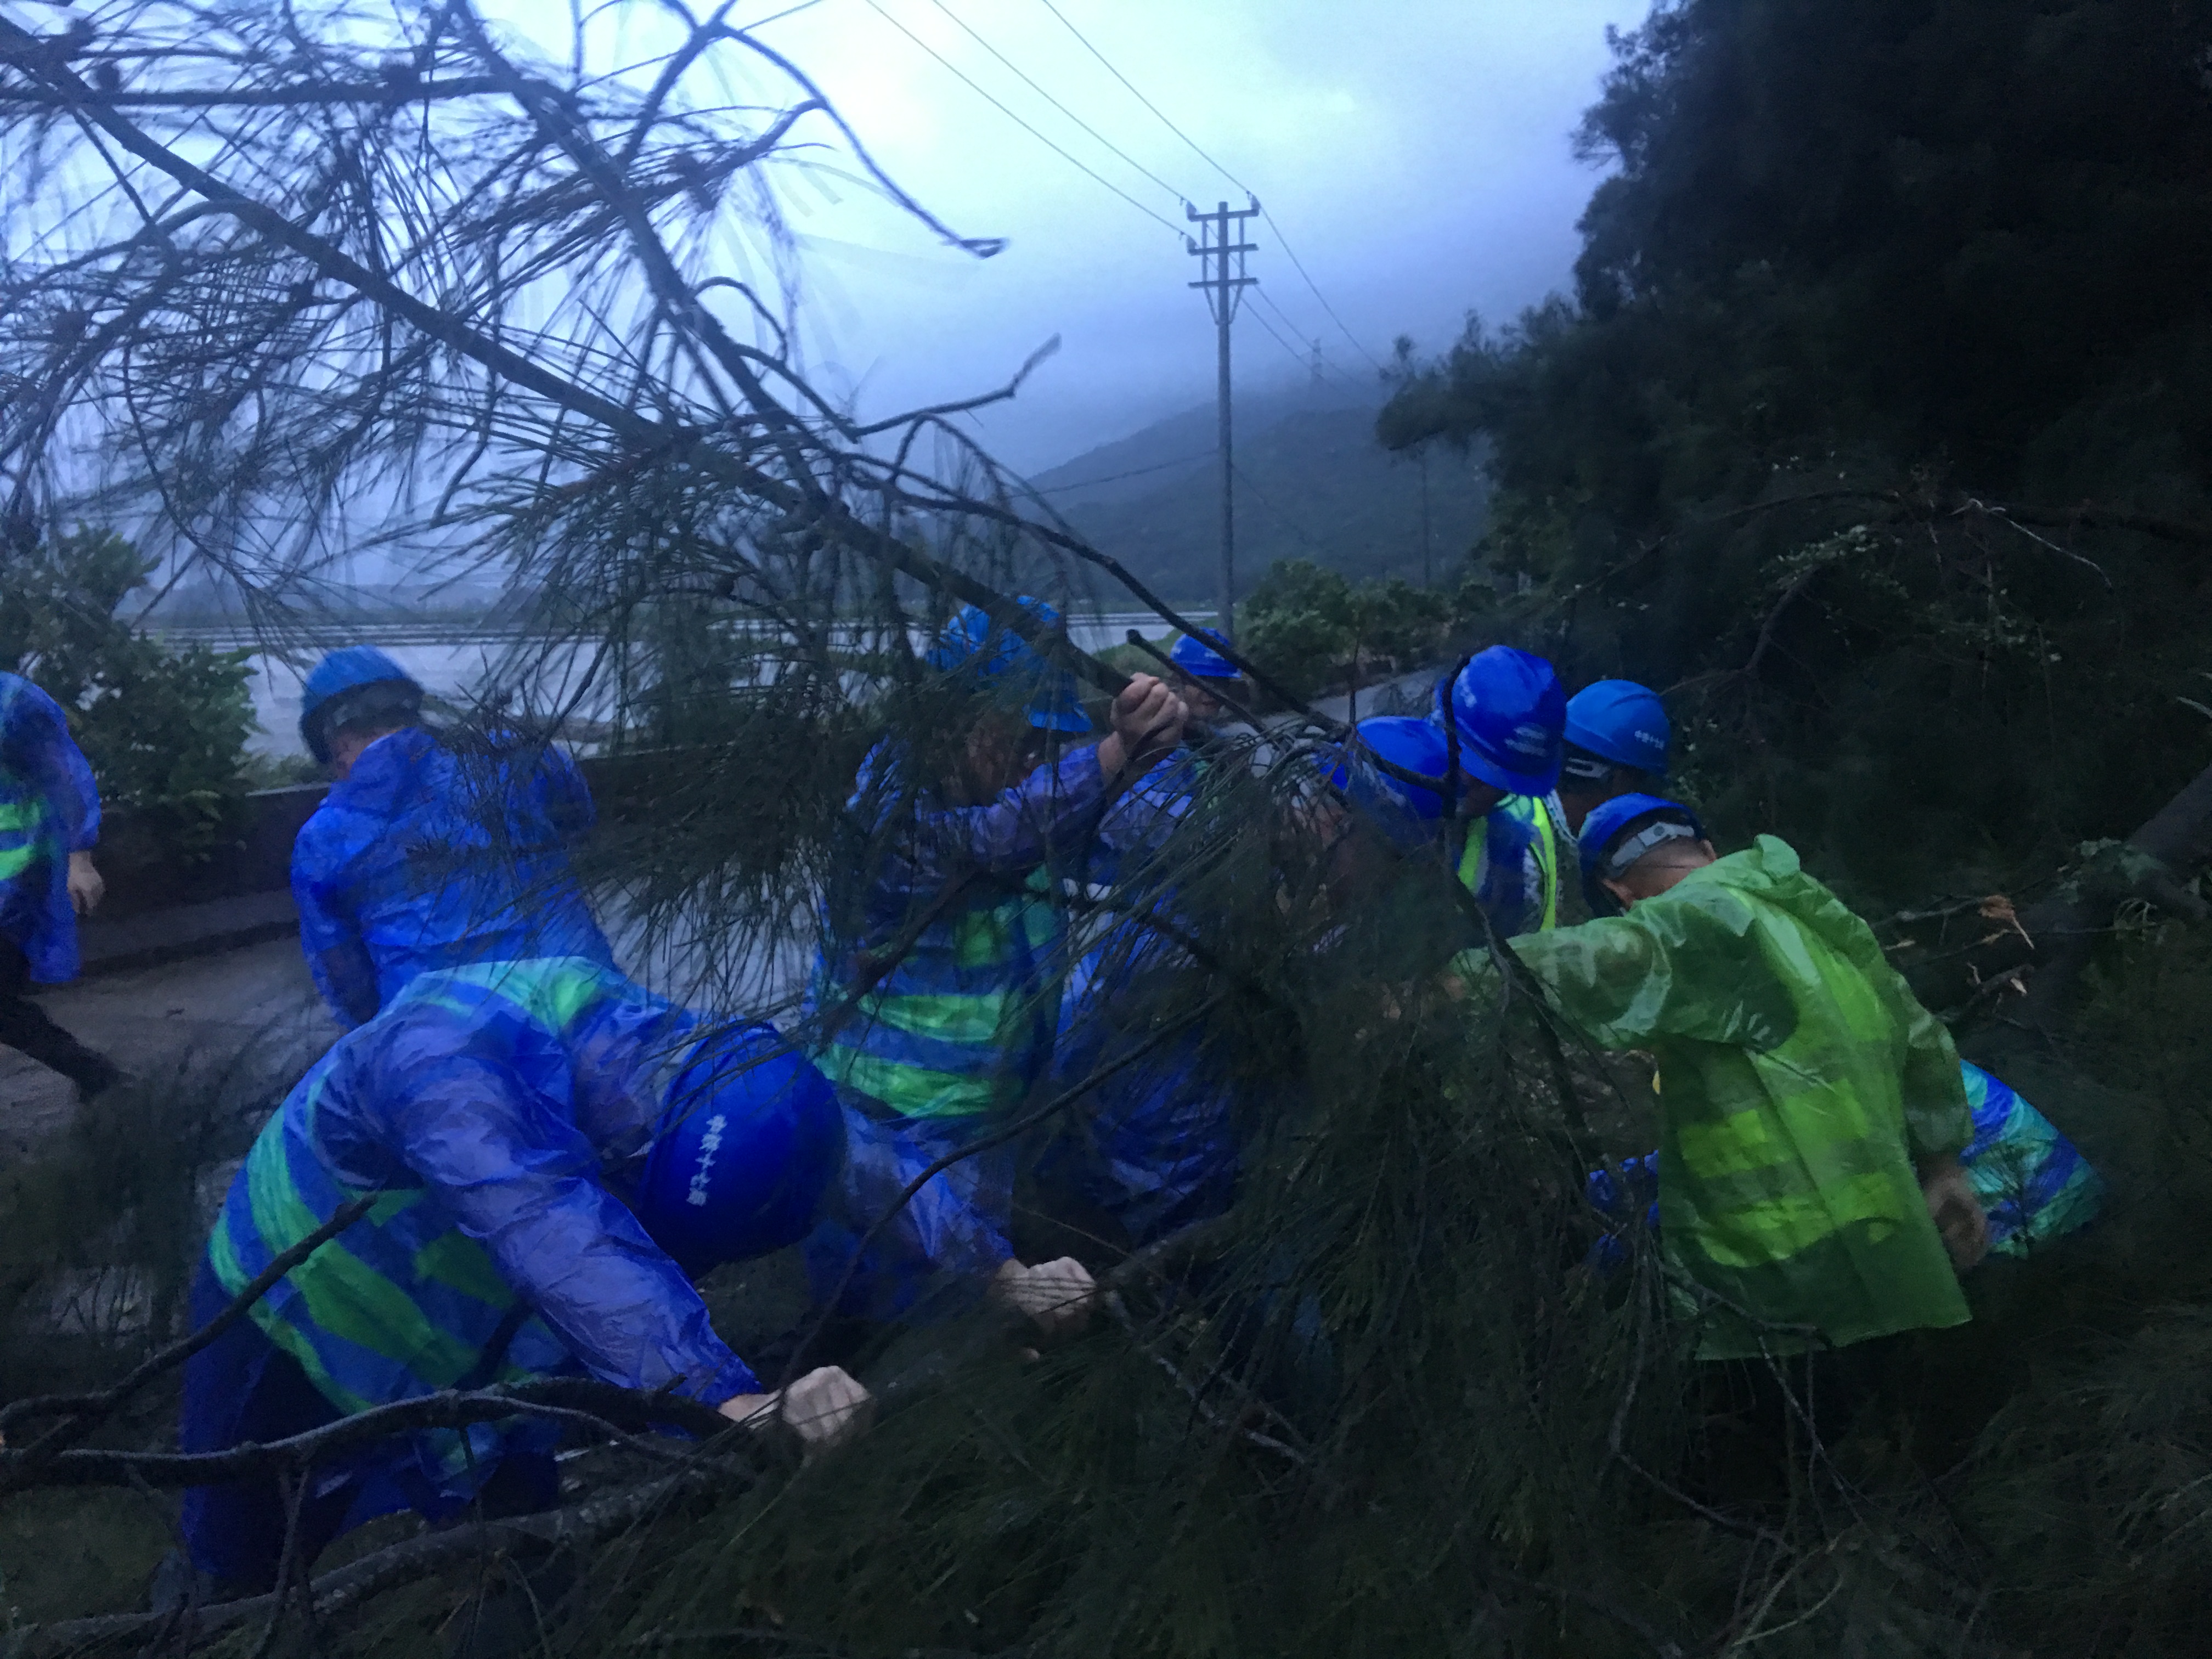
(1760, 1234)
(1548, 866)
(908, 1089)
(945, 1016)
(1473, 860)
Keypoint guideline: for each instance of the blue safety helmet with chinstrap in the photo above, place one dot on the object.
(1509, 711)
(1621, 721)
(1411, 814)
(1006, 662)
(1199, 655)
(1620, 831)
(349, 684)
(752, 1138)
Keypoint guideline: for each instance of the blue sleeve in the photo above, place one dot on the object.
(336, 955)
(563, 794)
(520, 1178)
(1050, 810)
(1143, 818)
(34, 735)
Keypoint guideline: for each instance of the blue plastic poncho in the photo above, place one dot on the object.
(2033, 1185)
(1153, 1146)
(49, 808)
(502, 1109)
(422, 859)
(930, 1044)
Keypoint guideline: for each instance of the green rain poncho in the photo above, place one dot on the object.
(1799, 1080)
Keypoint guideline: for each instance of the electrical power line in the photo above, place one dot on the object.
(1297, 263)
(1030, 83)
(1146, 101)
(976, 87)
(1114, 477)
(1283, 317)
(1296, 356)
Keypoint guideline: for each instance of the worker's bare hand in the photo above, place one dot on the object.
(827, 1407)
(1057, 1295)
(86, 889)
(1956, 1212)
(824, 1408)
(1148, 721)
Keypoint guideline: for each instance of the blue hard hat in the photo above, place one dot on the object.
(1194, 654)
(1621, 721)
(349, 670)
(752, 1138)
(1508, 708)
(1604, 849)
(1410, 814)
(972, 643)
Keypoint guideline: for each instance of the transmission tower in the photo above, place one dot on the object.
(1220, 251)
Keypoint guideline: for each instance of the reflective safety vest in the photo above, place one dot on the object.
(482, 1069)
(28, 833)
(964, 1022)
(1512, 866)
(49, 808)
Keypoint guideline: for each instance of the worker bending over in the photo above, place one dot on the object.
(1501, 716)
(558, 1152)
(422, 856)
(937, 995)
(1617, 744)
(49, 823)
(1811, 1111)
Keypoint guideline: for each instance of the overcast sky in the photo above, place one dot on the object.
(1414, 153)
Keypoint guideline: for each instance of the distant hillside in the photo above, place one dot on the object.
(1312, 484)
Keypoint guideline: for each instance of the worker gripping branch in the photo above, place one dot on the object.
(1153, 1147)
(559, 1153)
(1501, 717)
(1203, 677)
(49, 821)
(1813, 1112)
(938, 993)
(420, 857)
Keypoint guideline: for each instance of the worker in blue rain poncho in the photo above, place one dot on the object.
(1207, 681)
(423, 855)
(1152, 1147)
(558, 1154)
(1501, 716)
(1618, 741)
(49, 823)
(936, 999)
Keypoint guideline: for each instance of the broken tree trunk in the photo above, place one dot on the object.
(2044, 955)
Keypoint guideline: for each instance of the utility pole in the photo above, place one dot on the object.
(1219, 243)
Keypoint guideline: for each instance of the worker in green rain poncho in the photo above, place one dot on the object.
(1810, 1189)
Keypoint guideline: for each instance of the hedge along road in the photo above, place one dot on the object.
(465, 662)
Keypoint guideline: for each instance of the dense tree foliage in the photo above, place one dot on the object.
(1911, 262)
(164, 727)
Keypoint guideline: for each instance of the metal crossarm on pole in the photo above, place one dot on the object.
(1220, 242)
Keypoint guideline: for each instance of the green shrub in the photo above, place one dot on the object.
(164, 727)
